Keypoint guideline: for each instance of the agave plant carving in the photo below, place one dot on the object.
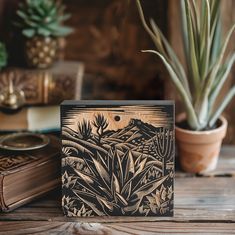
(128, 171)
(117, 185)
(84, 130)
(101, 124)
(207, 69)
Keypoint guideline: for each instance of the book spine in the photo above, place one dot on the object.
(3, 206)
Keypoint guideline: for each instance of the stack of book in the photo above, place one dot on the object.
(26, 175)
(44, 90)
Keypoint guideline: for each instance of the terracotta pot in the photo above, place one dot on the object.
(199, 150)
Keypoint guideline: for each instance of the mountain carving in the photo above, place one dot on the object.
(128, 171)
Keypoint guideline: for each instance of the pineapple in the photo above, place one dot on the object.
(40, 51)
(41, 24)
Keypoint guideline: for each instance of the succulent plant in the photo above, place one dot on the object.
(101, 124)
(42, 18)
(84, 130)
(200, 83)
(3, 56)
(118, 185)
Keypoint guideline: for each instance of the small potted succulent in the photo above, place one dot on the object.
(41, 25)
(3, 56)
(201, 129)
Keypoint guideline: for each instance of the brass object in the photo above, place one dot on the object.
(24, 141)
(12, 98)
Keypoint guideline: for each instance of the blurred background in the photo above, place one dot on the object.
(108, 39)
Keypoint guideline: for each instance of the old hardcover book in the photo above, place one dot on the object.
(49, 86)
(25, 176)
(34, 119)
(118, 158)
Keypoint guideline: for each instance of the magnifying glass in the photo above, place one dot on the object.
(23, 141)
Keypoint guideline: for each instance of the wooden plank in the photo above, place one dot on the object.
(196, 200)
(146, 228)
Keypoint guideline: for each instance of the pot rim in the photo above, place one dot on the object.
(223, 126)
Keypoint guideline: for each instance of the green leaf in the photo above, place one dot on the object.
(191, 115)
(215, 42)
(40, 11)
(54, 26)
(3, 55)
(45, 16)
(196, 16)
(185, 32)
(63, 18)
(62, 31)
(205, 42)
(30, 23)
(222, 107)
(22, 14)
(216, 67)
(36, 18)
(147, 28)
(29, 33)
(215, 11)
(192, 45)
(222, 79)
(44, 32)
(178, 68)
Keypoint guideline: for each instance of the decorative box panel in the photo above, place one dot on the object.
(118, 158)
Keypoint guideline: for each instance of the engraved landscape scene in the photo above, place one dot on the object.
(116, 163)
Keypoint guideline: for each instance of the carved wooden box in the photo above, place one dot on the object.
(118, 158)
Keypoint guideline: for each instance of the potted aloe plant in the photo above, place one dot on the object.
(41, 24)
(201, 129)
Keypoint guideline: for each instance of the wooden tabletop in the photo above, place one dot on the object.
(204, 204)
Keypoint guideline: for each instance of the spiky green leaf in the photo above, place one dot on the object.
(46, 17)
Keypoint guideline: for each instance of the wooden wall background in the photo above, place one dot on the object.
(108, 37)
